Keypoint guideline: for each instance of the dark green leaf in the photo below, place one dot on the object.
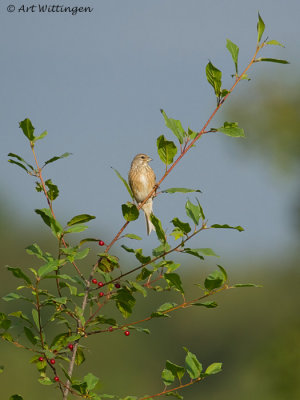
(274, 60)
(35, 317)
(20, 159)
(125, 183)
(141, 258)
(223, 272)
(27, 129)
(234, 51)
(17, 163)
(214, 280)
(158, 228)
(47, 268)
(174, 394)
(124, 301)
(128, 249)
(214, 77)
(167, 377)
(213, 369)
(52, 190)
(19, 314)
(80, 219)
(225, 226)
(207, 304)
(144, 274)
(49, 220)
(176, 370)
(165, 307)
(130, 211)
(88, 240)
(193, 366)
(175, 126)
(18, 273)
(166, 150)
(16, 397)
(180, 190)
(44, 380)
(183, 226)
(231, 129)
(12, 296)
(138, 288)
(30, 335)
(194, 211)
(51, 160)
(192, 134)
(76, 229)
(200, 252)
(35, 250)
(5, 324)
(108, 262)
(173, 279)
(260, 28)
(275, 43)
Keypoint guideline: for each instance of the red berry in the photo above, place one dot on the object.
(52, 361)
(94, 280)
(117, 285)
(101, 294)
(101, 243)
(100, 284)
(126, 333)
(41, 358)
(56, 378)
(110, 329)
(70, 346)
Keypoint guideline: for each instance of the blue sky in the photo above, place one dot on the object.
(96, 82)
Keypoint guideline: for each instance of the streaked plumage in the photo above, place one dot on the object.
(141, 178)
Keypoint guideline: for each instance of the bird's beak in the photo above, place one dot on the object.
(149, 159)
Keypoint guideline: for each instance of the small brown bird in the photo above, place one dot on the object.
(142, 180)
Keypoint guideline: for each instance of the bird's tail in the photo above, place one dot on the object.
(148, 211)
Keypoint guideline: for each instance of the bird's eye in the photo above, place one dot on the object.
(143, 157)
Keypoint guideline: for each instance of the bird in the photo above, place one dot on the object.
(142, 180)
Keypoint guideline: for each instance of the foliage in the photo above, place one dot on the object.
(73, 308)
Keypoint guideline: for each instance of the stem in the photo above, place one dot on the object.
(172, 390)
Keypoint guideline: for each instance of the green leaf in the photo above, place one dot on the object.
(158, 228)
(130, 211)
(237, 285)
(80, 358)
(192, 365)
(275, 43)
(41, 136)
(108, 262)
(225, 226)
(18, 273)
(125, 183)
(91, 381)
(80, 219)
(175, 126)
(49, 267)
(274, 60)
(51, 160)
(166, 150)
(4, 323)
(207, 304)
(176, 370)
(12, 296)
(20, 159)
(166, 307)
(17, 163)
(223, 272)
(138, 288)
(52, 190)
(260, 28)
(88, 240)
(30, 335)
(231, 129)
(35, 317)
(200, 252)
(132, 236)
(213, 369)
(177, 233)
(167, 377)
(174, 394)
(183, 226)
(124, 301)
(161, 249)
(128, 249)
(180, 190)
(140, 257)
(144, 274)
(214, 77)
(49, 220)
(44, 380)
(76, 229)
(16, 397)
(173, 279)
(27, 129)
(234, 51)
(35, 250)
(19, 314)
(194, 211)
(214, 280)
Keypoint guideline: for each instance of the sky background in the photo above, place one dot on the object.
(96, 83)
